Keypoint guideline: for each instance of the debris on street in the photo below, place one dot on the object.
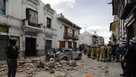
(3, 69)
(30, 66)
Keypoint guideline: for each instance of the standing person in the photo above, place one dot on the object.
(123, 49)
(108, 53)
(89, 53)
(130, 59)
(92, 52)
(117, 53)
(12, 54)
(102, 53)
(98, 53)
(113, 53)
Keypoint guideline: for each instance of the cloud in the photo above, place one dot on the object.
(61, 5)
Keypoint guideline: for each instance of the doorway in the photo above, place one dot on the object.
(3, 46)
(48, 44)
(61, 44)
(30, 47)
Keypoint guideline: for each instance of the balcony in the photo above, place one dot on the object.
(50, 32)
(128, 6)
(68, 35)
(30, 27)
(75, 37)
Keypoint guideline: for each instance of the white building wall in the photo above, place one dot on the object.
(14, 8)
(60, 32)
(40, 44)
(53, 30)
(85, 38)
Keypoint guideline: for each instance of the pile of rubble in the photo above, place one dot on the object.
(30, 66)
(62, 66)
(26, 66)
(3, 69)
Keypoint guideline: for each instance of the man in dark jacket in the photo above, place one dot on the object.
(130, 59)
(12, 54)
(123, 52)
(113, 53)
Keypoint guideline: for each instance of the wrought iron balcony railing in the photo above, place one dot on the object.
(68, 35)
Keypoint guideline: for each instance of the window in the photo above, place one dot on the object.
(32, 17)
(48, 22)
(73, 32)
(2, 7)
(69, 44)
(66, 30)
(61, 44)
(48, 44)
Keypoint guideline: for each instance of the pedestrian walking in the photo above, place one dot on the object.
(130, 59)
(12, 54)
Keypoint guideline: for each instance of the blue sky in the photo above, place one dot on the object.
(91, 15)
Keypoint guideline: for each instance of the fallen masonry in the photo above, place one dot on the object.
(30, 66)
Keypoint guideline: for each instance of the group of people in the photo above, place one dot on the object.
(101, 53)
(125, 53)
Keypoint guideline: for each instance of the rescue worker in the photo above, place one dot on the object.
(102, 53)
(89, 52)
(98, 53)
(92, 54)
(108, 53)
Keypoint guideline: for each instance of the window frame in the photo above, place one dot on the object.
(28, 17)
(49, 22)
(3, 9)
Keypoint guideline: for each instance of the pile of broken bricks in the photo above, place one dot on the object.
(30, 66)
(3, 69)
